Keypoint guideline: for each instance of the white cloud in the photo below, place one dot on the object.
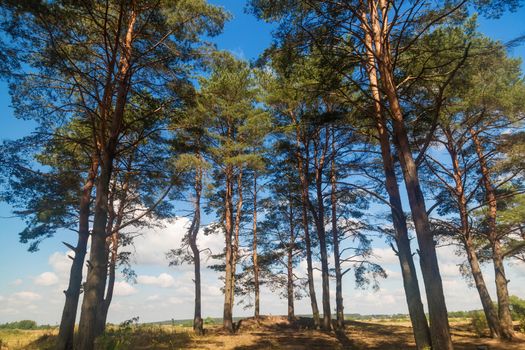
(151, 246)
(124, 289)
(61, 263)
(46, 279)
(25, 296)
(163, 280)
(384, 256)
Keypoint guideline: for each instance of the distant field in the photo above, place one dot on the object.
(270, 333)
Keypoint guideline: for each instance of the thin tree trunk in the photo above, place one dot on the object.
(505, 318)
(472, 257)
(198, 325)
(439, 327)
(65, 339)
(302, 168)
(237, 229)
(97, 272)
(228, 218)
(319, 217)
(404, 252)
(289, 267)
(340, 314)
(254, 249)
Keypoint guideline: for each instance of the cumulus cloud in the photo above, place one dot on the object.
(150, 247)
(124, 289)
(163, 280)
(46, 279)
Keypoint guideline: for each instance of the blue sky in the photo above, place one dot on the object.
(31, 283)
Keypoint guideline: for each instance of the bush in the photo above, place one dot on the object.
(479, 323)
(517, 306)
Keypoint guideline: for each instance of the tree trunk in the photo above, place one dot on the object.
(404, 253)
(228, 218)
(505, 318)
(321, 234)
(439, 327)
(198, 324)
(472, 257)
(289, 266)
(340, 314)
(236, 230)
(65, 339)
(97, 272)
(302, 168)
(254, 249)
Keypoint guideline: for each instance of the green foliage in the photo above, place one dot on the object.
(518, 311)
(24, 324)
(479, 323)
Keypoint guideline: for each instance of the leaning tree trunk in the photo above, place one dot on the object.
(505, 318)
(439, 327)
(472, 257)
(302, 168)
(340, 314)
(404, 252)
(98, 263)
(198, 324)
(65, 339)
(254, 250)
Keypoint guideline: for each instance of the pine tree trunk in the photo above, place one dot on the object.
(302, 168)
(321, 234)
(289, 266)
(472, 257)
(340, 314)
(198, 324)
(254, 249)
(65, 339)
(439, 327)
(505, 318)
(98, 263)
(228, 302)
(486, 301)
(404, 253)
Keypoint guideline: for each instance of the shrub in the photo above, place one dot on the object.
(479, 323)
(518, 311)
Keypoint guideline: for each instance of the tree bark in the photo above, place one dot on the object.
(404, 252)
(505, 318)
(254, 250)
(98, 263)
(65, 339)
(340, 314)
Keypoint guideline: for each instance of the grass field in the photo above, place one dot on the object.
(268, 333)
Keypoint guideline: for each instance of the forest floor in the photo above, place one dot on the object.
(269, 333)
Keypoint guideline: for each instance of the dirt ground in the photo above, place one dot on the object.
(277, 333)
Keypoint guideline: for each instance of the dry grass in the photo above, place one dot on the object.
(270, 333)
(21, 339)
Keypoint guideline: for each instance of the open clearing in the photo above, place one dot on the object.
(268, 333)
